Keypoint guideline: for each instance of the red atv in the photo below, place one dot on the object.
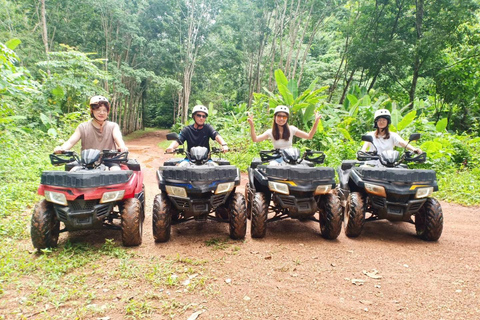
(89, 196)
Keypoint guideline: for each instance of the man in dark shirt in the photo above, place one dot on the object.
(199, 133)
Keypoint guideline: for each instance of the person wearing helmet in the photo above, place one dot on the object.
(198, 133)
(97, 133)
(383, 138)
(281, 133)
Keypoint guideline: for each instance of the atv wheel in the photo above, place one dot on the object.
(429, 220)
(222, 212)
(330, 212)
(238, 218)
(45, 226)
(355, 215)
(259, 215)
(248, 201)
(132, 222)
(161, 218)
(143, 203)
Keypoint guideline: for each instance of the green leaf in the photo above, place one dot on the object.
(345, 134)
(292, 87)
(441, 125)
(406, 120)
(286, 94)
(58, 92)
(280, 78)
(13, 43)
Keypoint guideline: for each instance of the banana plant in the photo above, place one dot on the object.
(302, 105)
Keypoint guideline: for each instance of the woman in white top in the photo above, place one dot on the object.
(383, 138)
(281, 133)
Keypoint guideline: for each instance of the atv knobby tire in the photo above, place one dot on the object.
(45, 226)
(238, 217)
(429, 220)
(330, 212)
(355, 215)
(132, 222)
(259, 215)
(248, 201)
(161, 218)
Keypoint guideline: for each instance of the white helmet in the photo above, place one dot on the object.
(382, 113)
(200, 108)
(281, 108)
(98, 99)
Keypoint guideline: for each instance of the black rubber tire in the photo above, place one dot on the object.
(248, 201)
(429, 220)
(143, 203)
(222, 212)
(330, 212)
(355, 215)
(259, 215)
(238, 217)
(45, 226)
(161, 218)
(132, 222)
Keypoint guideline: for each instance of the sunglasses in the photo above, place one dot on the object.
(204, 116)
(282, 117)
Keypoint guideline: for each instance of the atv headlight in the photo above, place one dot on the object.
(176, 191)
(424, 192)
(56, 197)
(278, 187)
(376, 190)
(224, 187)
(112, 196)
(323, 189)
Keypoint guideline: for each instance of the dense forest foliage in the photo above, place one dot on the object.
(155, 59)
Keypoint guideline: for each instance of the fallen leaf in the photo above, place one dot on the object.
(372, 274)
(195, 315)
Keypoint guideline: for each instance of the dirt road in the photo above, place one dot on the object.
(293, 273)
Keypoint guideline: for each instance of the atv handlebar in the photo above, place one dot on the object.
(367, 155)
(58, 159)
(413, 157)
(114, 156)
(267, 155)
(308, 155)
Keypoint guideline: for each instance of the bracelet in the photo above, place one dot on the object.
(223, 145)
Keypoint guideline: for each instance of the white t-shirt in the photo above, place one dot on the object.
(282, 143)
(385, 144)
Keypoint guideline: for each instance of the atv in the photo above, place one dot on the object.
(198, 188)
(389, 190)
(294, 188)
(88, 196)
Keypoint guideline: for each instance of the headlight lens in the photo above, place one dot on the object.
(112, 196)
(376, 190)
(56, 197)
(176, 191)
(323, 189)
(278, 187)
(224, 187)
(424, 192)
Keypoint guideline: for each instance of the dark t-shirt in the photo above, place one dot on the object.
(197, 137)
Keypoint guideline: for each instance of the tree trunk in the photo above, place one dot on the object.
(44, 31)
(417, 63)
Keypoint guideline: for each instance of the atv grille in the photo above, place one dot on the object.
(80, 205)
(182, 204)
(102, 210)
(378, 202)
(217, 199)
(287, 201)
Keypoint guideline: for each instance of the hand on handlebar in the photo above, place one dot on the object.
(58, 150)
